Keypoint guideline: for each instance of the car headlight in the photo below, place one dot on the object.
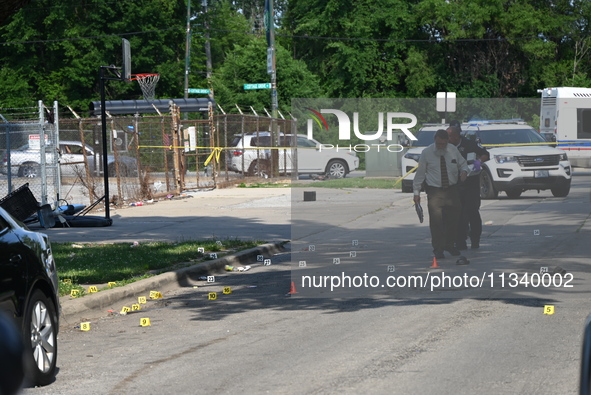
(414, 157)
(563, 157)
(505, 158)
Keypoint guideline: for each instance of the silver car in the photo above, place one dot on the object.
(25, 162)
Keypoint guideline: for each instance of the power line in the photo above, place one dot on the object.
(428, 40)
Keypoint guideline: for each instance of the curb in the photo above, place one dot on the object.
(71, 309)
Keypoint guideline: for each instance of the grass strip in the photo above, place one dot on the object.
(359, 182)
(123, 263)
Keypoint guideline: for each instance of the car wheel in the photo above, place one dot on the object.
(487, 190)
(406, 188)
(513, 193)
(561, 191)
(259, 169)
(336, 169)
(30, 170)
(40, 338)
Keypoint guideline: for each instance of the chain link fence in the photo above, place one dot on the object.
(147, 156)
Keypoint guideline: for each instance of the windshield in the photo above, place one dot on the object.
(424, 138)
(510, 136)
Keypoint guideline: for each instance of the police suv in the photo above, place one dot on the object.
(520, 159)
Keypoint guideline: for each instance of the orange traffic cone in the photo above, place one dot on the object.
(434, 262)
(292, 289)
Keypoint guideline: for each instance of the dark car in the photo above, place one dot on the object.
(29, 295)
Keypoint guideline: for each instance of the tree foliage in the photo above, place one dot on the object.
(52, 50)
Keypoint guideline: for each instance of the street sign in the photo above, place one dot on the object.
(191, 90)
(266, 85)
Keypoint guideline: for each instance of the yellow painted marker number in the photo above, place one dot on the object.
(125, 310)
(212, 296)
(145, 322)
(135, 307)
(141, 300)
(74, 293)
(227, 290)
(549, 310)
(85, 326)
(92, 289)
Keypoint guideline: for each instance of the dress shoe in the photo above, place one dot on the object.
(438, 254)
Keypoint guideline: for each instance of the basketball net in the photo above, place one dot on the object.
(148, 84)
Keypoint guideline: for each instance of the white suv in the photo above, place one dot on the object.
(514, 167)
(313, 157)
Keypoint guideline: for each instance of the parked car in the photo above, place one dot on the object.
(515, 167)
(25, 162)
(312, 158)
(29, 295)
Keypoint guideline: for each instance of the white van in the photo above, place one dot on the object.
(565, 117)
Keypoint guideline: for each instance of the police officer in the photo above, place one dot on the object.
(470, 223)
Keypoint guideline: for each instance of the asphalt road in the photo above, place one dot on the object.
(452, 340)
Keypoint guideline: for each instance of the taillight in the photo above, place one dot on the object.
(237, 153)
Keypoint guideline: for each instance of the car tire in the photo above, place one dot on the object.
(29, 170)
(487, 190)
(259, 168)
(562, 191)
(336, 169)
(513, 193)
(406, 188)
(40, 339)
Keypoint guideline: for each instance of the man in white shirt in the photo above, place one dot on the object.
(442, 191)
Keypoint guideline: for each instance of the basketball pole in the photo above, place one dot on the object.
(104, 134)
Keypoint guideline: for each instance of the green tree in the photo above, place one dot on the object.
(248, 64)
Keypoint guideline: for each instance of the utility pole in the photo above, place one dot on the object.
(271, 69)
(208, 64)
(188, 50)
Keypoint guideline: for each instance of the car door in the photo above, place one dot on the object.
(310, 158)
(13, 276)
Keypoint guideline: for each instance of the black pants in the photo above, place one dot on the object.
(470, 223)
(444, 213)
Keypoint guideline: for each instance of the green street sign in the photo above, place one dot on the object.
(266, 85)
(206, 91)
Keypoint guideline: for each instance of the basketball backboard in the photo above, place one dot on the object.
(126, 68)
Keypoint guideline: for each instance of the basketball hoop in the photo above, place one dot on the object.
(148, 83)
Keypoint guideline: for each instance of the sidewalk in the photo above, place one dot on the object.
(244, 213)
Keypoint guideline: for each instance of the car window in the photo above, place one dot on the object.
(261, 141)
(235, 142)
(510, 136)
(424, 138)
(3, 224)
(306, 143)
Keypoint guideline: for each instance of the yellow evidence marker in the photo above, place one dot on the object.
(145, 322)
(135, 307)
(125, 310)
(85, 326)
(67, 281)
(141, 300)
(155, 295)
(212, 296)
(111, 284)
(92, 289)
(227, 290)
(75, 293)
(549, 310)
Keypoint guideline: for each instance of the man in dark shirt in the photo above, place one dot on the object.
(470, 222)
